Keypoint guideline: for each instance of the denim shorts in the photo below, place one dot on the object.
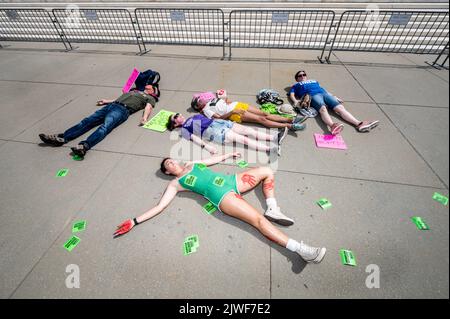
(321, 99)
(217, 130)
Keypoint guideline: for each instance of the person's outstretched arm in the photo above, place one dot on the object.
(147, 111)
(197, 140)
(217, 159)
(104, 102)
(169, 195)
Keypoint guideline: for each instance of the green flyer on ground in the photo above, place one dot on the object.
(209, 208)
(62, 172)
(159, 121)
(324, 203)
(420, 223)
(242, 164)
(72, 243)
(190, 245)
(77, 158)
(440, 198)
(79, 226)
(347, 257)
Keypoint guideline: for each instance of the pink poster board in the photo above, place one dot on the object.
(330, 141)
(130, 81)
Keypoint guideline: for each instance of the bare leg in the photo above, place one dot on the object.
(232, 136)
(263, 120)
(325, 116)
(237, 207)
(346, 115)
(251, 178)
(249, 131)
(272, 117)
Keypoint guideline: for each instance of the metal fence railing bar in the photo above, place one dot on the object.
(110, 26)
(418, 32)
(201, 27)
(281, 29)
(31, 25)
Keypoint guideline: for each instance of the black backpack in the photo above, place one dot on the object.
(148, 77)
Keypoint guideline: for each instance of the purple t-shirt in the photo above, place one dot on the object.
(196, 125)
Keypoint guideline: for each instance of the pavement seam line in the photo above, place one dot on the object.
(64, 227)
(392, 122)
(427, 69)
(280, 170)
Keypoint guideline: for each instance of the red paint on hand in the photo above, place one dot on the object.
(124, 228)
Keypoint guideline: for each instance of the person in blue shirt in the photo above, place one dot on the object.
(321, 101)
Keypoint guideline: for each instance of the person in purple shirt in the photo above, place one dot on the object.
(199, 128)
(321, 101)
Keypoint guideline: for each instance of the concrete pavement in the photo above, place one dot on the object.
(376, 186)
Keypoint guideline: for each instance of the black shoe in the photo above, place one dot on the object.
(79, 150)
(53, 139)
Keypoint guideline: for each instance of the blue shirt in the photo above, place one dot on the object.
(311, 87)
(196, 125)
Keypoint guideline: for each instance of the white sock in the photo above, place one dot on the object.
(293, 245)
(271, 203)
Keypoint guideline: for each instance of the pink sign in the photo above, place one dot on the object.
(330, 141)
(130, 81)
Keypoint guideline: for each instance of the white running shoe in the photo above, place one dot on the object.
(311, 254)
(276, 216)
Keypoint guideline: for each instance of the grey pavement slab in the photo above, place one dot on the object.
(36, 206)
(388, 86)
(429, 135)
(236, 76)
(334, 78)
(372, 220)
(371, 58)
(390, 156)
(149, 262)
(375, 186)
(21, 110)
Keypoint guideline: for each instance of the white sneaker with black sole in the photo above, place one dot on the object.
(311, 254)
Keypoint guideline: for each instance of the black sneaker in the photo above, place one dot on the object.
(53, 139)
(79, 150)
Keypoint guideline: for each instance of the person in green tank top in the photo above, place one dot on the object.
(224, 191)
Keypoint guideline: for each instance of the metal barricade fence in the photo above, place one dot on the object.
(445, 54)
(202, 27)
(110, 26)
(281, 29)
(417, 32)
(33, 25)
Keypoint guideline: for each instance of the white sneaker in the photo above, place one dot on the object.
(276, 216)
(311, 254)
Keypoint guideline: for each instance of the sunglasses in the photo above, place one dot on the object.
(301, 74)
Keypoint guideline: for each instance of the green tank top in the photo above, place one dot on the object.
(212, 185)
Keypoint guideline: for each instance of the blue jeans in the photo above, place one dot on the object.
(108, 117)
(323, 99)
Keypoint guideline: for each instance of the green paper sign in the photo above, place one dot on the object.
(159, 122)
(440, 198)
(421, 225)
(347, 257)
(190, 180)
(77, 158)
(219, 181)
(209, 208)
(324, 203)
(242, 164)
(190, 245)
(79, 226)
(62, 172)
(201, 166)
(72, 243)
